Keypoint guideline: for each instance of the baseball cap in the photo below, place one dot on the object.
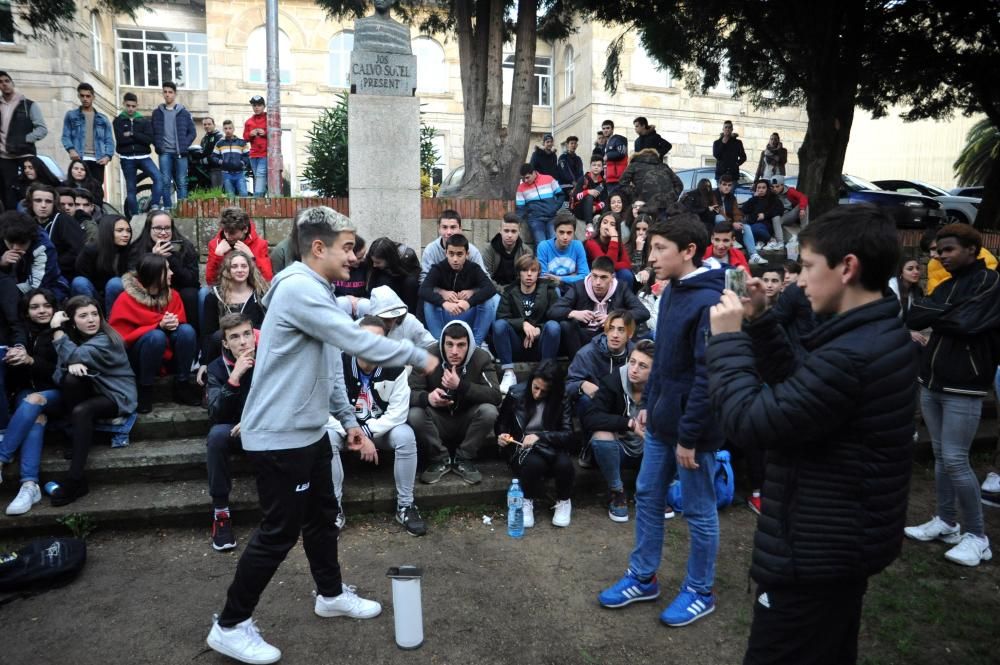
(546, 137)
(393, 313)
(777, 180)
(257, 99)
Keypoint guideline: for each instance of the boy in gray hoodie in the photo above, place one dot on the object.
(298, 382)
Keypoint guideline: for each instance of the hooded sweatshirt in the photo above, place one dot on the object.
(676, 397)
(140, 130)
(298, 373)
(385, 301)
(477, 377)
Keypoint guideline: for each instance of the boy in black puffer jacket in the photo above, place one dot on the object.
(836, 423)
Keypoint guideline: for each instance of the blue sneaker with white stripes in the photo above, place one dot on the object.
(629, 589)
(688, 607)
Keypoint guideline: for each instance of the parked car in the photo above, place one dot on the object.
(690, 178)
(912, 211)
(450, 184)
(976, 191)
(956, 208)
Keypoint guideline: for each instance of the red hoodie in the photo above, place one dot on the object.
(258, 144)
(736, 258)
(256, 244)
(616, 252)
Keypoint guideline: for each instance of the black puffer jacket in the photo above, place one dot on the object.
(963, 351)
(837, 425)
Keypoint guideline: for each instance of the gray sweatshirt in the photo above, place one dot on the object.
(109, 363)
(298, 376)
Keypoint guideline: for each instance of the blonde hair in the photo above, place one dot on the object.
(255, 278)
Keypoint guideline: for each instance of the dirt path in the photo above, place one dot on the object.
(148, 597)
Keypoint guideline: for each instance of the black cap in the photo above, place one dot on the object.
(257, 99)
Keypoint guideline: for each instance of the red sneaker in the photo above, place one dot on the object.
(753, 503)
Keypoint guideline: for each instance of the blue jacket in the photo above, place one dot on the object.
(75, 129)
(593, 363)
(185, 129)
(676, 398)
(231, 155)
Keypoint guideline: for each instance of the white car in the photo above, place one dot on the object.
(957, 208)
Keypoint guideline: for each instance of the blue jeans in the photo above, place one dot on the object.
(26, 432)
(234, 183)
(626, 279)
(130, 169)
(761, 231)
(4, 406)
(259, 167)
(748, 242)
(610, 456)
(112, 290)
(541, 230)
(659, 465)
(477, 317)
(506, 340)
(173, 170)
(146, 355)
(81, 286)
(952, 421)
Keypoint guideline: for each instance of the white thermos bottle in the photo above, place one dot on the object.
(406, 606)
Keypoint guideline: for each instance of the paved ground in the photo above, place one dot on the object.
(148, 597)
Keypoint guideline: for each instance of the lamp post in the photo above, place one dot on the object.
(274, 161)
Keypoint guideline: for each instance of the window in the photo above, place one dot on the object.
(149, 58)
(543, 79)
(437, 173)
(256, 57)
(341, 46)
(724, 86)
(569, 72)
(6, 23)
(432, 73)
(96, 42)
(647, 71)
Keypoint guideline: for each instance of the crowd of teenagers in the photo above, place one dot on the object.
(91, 140)
(640, 359)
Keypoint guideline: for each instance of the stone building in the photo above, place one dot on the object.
(215, 51)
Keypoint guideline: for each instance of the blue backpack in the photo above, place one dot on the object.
(723, 480)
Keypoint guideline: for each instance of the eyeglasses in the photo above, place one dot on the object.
(162, 229)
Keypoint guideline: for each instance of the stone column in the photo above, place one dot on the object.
(383, 126)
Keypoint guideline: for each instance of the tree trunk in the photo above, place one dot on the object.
(821, 155)
(493, 153)
(988, 217)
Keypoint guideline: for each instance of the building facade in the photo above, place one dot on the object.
(215, 51)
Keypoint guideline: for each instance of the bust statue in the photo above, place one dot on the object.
(379, 33)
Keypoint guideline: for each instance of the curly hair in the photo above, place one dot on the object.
(255, 280)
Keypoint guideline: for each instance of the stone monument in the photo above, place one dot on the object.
(383, 126)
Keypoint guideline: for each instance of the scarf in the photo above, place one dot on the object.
(601, 305)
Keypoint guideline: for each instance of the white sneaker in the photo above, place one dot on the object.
(970, 551)
(347, 604)
(760, 245)
(486, 347)
(757, 260)
(508, 381)
(936, 529)
(992, 483)
(27, 496)
(669, 514)
(528, 511)
(561, 516)
(774, 246)
(242, 642)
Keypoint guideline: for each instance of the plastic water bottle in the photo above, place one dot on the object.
(51, 487)
(792, 249)
(515, 510)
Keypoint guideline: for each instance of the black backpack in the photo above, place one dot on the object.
(45, 563)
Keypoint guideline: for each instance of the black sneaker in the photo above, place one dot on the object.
(223, 537)
(410, 518)
(434, 472)
(467, 471)
(69, 491)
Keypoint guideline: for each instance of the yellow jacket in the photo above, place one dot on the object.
(936, 274)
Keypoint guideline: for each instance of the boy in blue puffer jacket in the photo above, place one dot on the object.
(232, 155)
(681, 436)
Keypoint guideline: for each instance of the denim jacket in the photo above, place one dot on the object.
(75, 129)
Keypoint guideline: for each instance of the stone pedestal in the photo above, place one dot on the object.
(384, 166)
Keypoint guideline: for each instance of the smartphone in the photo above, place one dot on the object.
(175, 245)
(736, 281)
